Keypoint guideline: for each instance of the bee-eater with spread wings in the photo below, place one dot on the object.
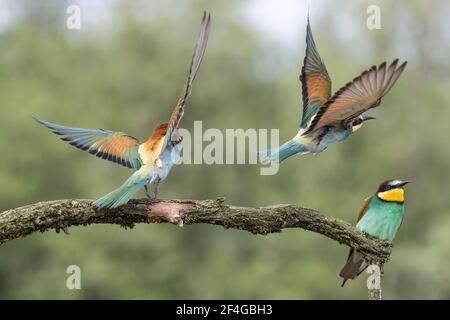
(152, 159)
(380, 216)
(328, 119)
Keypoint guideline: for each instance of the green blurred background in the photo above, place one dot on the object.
(124, 70)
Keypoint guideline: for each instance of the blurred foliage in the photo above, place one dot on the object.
(125, 73)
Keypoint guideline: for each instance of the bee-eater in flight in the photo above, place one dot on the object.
(152, 159)
(380, 216)
(328, 119)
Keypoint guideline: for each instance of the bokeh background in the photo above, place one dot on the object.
(124, 70)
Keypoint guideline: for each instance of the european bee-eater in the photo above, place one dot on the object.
(380, 216)
(152, 159)
(328, 119)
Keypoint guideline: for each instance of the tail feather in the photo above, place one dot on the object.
(123, 194)
(280, 154)
(354, 266)
(117, 197)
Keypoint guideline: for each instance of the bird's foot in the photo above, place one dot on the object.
(155, 193)
(170, 212)
(149, 196)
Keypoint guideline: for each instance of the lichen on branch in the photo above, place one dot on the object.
(62, 214)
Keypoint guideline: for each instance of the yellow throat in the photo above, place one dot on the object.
(356, 128)
(394, 195)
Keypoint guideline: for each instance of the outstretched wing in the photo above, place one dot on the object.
(316, 83)
(357, 96)
(113, 146)
(195, 64)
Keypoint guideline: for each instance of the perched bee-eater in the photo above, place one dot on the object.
(380, 216)
(152, 159)
(328, 119)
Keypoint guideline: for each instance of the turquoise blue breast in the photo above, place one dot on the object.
(331, 137)
(169, 156)
(382, 219)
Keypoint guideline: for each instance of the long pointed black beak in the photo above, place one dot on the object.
(365, 118)
(403, 183)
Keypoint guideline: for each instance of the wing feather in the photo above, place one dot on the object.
(356, 97)
(197, 58)
(316, 83)
(362, 210)
(117, 147)
(355, 263)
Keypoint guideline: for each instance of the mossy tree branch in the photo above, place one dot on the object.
(61, 214)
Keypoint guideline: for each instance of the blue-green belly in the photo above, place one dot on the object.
(331, 137)
(382, 219)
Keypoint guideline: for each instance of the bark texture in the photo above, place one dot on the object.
(62, 214)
